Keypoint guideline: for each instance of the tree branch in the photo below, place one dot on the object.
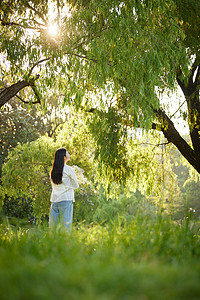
(35, 92)
(67, 53)
(4, 23)
(89, 39)
(197, 79)
(37, 12)
(11, 91)
(37, 63)
(26, 102)
(193, 69)
(173, 136)
(82, 56)
(177, 109)
(179, 74)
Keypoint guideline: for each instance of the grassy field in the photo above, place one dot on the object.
(144, 259)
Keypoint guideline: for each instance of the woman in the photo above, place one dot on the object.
(64, 182)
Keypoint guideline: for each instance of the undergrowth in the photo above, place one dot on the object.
(141, 259)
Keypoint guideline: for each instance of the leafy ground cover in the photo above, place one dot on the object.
(141, 259)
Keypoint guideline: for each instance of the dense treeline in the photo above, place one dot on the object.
(159, 181)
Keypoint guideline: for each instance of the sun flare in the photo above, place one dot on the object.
(53, 29)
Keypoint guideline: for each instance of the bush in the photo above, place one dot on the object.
(125, 207)
(19, 208)
(85, 204)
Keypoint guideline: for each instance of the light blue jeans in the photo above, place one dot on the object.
(61, 213)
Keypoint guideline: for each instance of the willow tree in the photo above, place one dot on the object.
(127, 49)
(139, 48)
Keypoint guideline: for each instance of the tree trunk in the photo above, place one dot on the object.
(12, 90)
(190, 87)
(194, 120)
(173, 136)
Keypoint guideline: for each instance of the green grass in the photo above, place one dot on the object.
(143, 259)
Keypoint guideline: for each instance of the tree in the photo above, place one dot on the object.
(141, 46)
(134, 49)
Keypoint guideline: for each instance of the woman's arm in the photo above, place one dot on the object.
(74, 180)
(72, 176)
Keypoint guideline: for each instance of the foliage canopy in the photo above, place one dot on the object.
(132, 50)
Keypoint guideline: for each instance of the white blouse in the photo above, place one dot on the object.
(65, 190)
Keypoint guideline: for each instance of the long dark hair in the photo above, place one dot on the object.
(57, 166)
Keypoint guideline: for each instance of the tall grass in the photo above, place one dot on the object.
(142, 259)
